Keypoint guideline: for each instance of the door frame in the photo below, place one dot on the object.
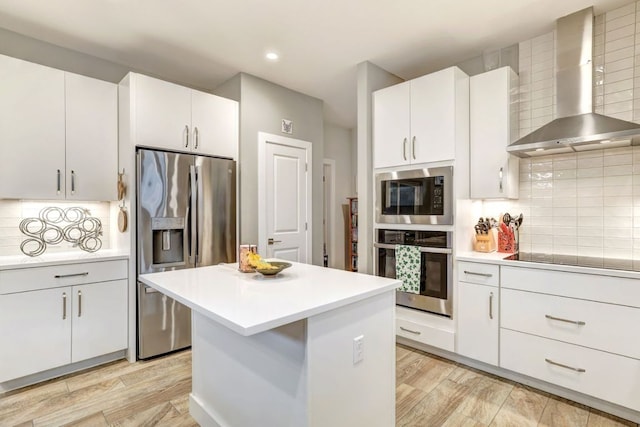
(330, 209)
(264, 139)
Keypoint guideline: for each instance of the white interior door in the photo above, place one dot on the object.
(287, 200)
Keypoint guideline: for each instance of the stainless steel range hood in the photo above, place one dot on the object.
(577, 127)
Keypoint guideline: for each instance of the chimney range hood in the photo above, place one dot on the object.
(577, 127)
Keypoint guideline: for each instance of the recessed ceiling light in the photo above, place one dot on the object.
(539, 149)
(272, 56)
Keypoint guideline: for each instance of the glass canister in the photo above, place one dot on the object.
(243, 258)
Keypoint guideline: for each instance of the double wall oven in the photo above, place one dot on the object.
(417, 197)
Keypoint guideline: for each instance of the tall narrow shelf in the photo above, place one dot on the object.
(352, 235)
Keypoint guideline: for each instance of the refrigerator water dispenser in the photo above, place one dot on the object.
(168, 241)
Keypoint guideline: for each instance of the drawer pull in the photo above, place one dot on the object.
(410, 331)
(473, 273)
(491, 306)
(61, 276)
(575, 322)
(551, 362)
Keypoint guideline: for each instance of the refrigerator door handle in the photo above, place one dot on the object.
(192, 215)
(199, 210)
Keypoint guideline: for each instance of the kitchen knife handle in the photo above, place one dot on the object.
(575, 322)
(186, 131)
(551, 362)
(413, 147)
(500, 175)
(491, 306)
(64, 305)
(404, 148)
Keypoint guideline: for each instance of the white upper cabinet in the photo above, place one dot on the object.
(58, 134)
(421, 120)
(493, 125)
(169, 116)
(92, 138)
(32, 131)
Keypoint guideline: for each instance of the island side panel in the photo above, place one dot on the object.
(259, 380)
(344, 393)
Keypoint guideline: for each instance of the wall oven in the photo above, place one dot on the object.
(417, 196)
(435, 292)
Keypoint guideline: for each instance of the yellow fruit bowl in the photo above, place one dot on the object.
(276, 267)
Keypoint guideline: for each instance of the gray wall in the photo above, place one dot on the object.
(370, 78)
(338, 146)
(262, 107)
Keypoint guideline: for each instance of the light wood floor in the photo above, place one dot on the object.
(430, 392)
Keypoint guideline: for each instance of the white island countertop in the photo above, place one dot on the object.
(249, 303)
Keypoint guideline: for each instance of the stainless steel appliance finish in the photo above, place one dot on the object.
(577, 127)
(416, 196)
(435, 268)
(186, 218)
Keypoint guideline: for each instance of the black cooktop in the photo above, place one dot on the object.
(580, 261)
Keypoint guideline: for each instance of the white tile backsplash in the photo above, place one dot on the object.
(12, 212)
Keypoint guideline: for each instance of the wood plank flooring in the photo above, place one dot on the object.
(430, 392)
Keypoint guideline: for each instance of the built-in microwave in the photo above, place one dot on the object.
(416, 196)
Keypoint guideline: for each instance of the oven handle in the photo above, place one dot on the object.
(422, 248)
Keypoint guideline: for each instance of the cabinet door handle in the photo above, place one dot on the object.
(473, 273)
(79, 303)
(59, 182)
(500, 176)
(404, 148)
(491, 306)
(73, 182)
(413, 147)
(551, 362)
(64, 305)
(410, 331)
(61, 276)
(186, 131)
(196, 137)
(575, 322)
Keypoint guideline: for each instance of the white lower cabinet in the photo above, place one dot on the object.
(596, 373)
(478, 327)
(56, 319)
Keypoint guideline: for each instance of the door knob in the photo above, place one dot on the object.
(271, 241)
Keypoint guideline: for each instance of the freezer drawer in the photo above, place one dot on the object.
(164, 325)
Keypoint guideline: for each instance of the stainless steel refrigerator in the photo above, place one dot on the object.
(186, 218)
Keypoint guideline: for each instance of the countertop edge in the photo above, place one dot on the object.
(23, 262)
(498, 259)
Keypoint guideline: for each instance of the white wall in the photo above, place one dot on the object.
(370, 78)
(338, 146)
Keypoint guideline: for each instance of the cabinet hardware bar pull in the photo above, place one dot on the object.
(491, 306)
(410, 331)
(271, 241)
(551, 362)
(413, 147)
(64, 305)
(60, 276)
(575, 322)
(186, 141)
(79, 303)
(196, 137)
(73, 182)
(478, 274)
(404, 148)
(500, 175)
(59, 182)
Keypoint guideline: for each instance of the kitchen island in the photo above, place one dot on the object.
(311, 346)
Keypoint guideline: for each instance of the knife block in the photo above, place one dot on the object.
(485, 242)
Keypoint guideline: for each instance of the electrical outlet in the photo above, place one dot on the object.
(358, 349)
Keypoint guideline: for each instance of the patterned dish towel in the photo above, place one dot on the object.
(408, 268)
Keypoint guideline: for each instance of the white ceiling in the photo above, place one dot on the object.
(202, 43)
